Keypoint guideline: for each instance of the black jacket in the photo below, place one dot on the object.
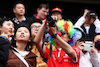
(28, 20)
(4, 51)
(91, 32)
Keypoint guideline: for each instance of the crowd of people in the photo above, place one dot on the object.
(47, 40)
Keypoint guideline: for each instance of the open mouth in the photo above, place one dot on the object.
(22, 36)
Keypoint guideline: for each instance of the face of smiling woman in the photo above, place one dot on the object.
(7, 28)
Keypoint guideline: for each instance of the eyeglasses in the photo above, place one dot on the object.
(35, 27)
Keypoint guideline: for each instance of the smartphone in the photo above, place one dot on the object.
(88, 45)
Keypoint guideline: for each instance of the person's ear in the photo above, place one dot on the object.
(85, 17)
(30, 39)
(14, 38)
(93, 43)
(14, 10)
(94, 19)
(0, 28)
(61, 15)
(38, 10)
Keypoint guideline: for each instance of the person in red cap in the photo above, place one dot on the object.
(56, 13)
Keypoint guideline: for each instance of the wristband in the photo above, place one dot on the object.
(54, 35)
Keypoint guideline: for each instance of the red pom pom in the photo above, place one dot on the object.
(59, 33)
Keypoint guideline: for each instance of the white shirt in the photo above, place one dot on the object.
(87, 29)
(22, 53)
(89, 59)
(85, 60)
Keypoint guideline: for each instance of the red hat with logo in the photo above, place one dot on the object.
(57, 10)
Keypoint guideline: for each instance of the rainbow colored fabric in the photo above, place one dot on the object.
(66, 26)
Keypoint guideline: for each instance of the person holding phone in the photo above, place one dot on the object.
(89, 55)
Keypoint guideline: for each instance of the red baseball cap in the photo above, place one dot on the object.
(57, 10)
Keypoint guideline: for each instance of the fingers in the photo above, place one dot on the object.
(54, 17)
(85, 12)
(44, 21)
(52, 30)
(96, 17)
(92, 50)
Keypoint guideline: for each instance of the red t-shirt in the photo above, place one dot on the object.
(60, 59)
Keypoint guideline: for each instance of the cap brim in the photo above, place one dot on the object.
(56, 11)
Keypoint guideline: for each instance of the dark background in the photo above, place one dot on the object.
(72, 9)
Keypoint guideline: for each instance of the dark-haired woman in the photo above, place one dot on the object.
(6, 30)
(20, 54)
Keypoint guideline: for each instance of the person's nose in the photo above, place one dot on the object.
(46, 13)
(11, 27)
(22, 32)
(37, 29)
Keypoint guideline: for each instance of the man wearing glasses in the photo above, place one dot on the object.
(35, 26)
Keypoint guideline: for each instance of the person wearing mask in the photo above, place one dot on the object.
(89, 55)
(7, 30)
(97, 44)
(20, 54)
